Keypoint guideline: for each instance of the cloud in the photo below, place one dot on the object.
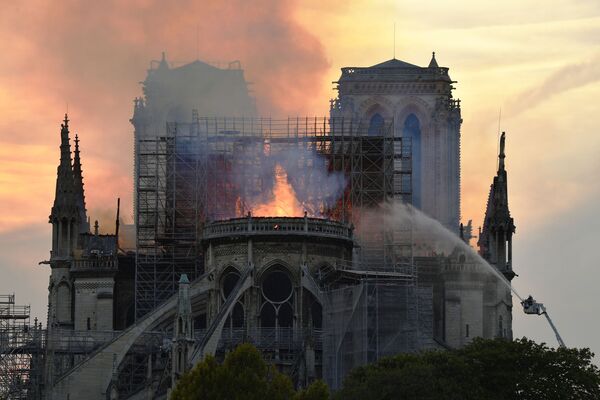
(97, 52)
(89, 57)
(566, 78)
(92, 55)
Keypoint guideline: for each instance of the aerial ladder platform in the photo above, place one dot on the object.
(530, 306)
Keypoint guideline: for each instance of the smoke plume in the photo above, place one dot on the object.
(568, 77)
(285, 181)
(88, 58)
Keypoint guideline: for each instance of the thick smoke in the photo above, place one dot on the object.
(315, 188)
(107, 225)
(89, 57)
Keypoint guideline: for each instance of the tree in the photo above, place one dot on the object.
(425, 376)
(318, 390)
(485, 369)
(243, 375)
(524, 370)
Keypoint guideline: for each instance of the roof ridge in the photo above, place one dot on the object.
(394, 63)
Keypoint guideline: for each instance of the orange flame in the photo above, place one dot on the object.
(284, 202)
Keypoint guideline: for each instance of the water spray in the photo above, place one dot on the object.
(404, 214)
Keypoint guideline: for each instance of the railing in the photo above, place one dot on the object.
(393, 71)
(64, 340)
(473, 267)
(359, 266)
(278, 226)
(98, 263)
(271, 338)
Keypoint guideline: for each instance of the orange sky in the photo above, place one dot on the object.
(535, 61)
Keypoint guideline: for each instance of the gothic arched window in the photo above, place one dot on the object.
(376, 125)
(277, 309)
(412, 130)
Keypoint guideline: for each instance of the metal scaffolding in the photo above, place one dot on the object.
(214, 169)
(66, 348)
(378, 317)
(21, 351)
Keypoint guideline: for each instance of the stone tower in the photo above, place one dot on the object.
(495, 246)
(175, 95)
(495, 240)
(80, 293)
(419, 102)
(68, 219)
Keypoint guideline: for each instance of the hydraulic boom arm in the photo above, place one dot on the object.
(530, 306)
(560, 341)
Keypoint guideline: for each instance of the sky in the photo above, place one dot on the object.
(530, 68)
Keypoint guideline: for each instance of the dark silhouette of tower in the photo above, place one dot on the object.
(495, 240)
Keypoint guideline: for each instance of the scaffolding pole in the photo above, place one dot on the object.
(215, 168)
(21, 351)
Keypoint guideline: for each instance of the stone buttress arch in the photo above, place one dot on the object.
(97, 369)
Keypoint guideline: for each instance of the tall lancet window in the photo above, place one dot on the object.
(376, 125)
(412, 130)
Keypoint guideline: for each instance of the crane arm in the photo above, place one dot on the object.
(558, 338)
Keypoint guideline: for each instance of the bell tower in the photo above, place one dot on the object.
(495, 246)
(68, 219)
(418, 102)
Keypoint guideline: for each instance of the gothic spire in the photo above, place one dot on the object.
(500, 181)
(433, 63)
(78, 182)
(65, 146)
(495, 240)
(77, 173)
(501, 155)
(64, 173)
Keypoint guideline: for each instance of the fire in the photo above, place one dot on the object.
(284, 202)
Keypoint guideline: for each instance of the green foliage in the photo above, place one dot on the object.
(430, 375)
(318, 390)
(485, 369)
(243, 375)
(523, 369)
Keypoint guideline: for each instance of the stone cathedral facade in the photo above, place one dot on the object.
(420, 103)
(287, 284)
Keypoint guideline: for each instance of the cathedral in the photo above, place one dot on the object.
(419, 101)
(312, 292)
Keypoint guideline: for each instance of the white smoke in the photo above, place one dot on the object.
(425, 231)
(316, 188)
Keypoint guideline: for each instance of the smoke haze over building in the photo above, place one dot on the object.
(88, 58)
